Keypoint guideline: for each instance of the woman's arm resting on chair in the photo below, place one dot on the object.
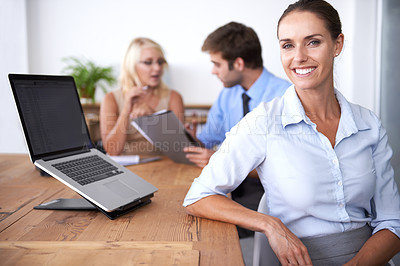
(287, 247)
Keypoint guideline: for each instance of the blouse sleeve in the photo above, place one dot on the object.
(386, 200)
(242, 151)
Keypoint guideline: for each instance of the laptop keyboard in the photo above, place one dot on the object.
(87, 170)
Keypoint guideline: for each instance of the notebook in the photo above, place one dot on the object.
(166, 132)
(58, 141)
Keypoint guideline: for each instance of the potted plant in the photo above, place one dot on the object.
(88, 76)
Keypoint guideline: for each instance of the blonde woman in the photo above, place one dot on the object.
(141, 92)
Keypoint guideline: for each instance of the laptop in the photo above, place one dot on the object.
(167, 133)
(58, 141)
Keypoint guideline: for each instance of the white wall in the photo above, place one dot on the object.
(13, 58)
(102, 29)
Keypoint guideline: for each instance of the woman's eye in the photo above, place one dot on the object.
(161, 62)
(149, 63)
(314, 42)
(287, 46)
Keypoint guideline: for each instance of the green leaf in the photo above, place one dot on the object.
(88, 76)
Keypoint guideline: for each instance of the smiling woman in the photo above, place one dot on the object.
(142, 92)
(324, 162)
(308, 49)
(307, 53)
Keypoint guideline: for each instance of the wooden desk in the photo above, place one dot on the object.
(160, 233)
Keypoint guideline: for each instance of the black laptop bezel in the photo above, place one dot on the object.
(16, 77)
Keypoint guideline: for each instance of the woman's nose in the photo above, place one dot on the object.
(300, 54)
(156, 66)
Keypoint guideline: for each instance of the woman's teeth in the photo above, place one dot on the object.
(303, 71)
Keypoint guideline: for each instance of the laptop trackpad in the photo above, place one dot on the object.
(121, 189)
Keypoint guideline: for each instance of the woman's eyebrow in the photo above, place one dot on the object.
(305, 38)
(312, 36)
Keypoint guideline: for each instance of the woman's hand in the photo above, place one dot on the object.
(135, 103)
(132, 97)
(287, 247)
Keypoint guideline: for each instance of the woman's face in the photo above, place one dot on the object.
(307, 50)
(150, 67)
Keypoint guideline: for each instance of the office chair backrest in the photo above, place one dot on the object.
(263, 254)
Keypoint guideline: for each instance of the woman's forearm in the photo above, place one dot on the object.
(221, 208)
(115, 139)
(378, 249)
(287, 247)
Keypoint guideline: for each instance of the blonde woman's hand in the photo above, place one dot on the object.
(132, 97)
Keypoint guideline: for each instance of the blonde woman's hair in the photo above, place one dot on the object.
(129, 77)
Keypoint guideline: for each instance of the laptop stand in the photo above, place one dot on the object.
(66, 204)
(82, 204)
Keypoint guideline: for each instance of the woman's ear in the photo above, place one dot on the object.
(339, 44)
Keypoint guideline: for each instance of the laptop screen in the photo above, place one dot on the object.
(51, 114)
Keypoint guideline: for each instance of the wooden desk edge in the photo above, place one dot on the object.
(153, 245)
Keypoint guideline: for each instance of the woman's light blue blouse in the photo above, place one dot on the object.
(313, 188)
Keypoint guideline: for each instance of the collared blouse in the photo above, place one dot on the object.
(313, 188)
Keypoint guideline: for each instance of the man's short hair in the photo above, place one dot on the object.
(235, 40)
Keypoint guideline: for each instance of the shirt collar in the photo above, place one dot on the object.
(293, 113)
(350, 122)
(257, 89)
